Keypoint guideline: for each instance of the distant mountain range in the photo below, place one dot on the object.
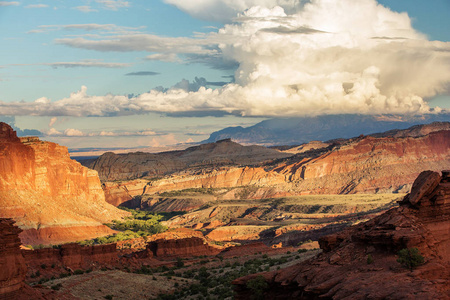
(299, 130)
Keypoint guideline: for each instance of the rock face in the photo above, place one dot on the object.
(112, 167)
(12, 264)
(185, 247)
(71, 256)
(343, 270)
(51, 197)
(362, 165)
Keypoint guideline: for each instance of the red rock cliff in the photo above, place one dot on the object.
(343, 270)
(363, 165)
(12, 264)
(52, 198)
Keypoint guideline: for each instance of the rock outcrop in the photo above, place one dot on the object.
(52, 198)
(361, 165)
(12, 265)
(73, 256)
(185, 247)
(344, 269)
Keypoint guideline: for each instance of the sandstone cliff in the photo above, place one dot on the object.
(51, 197)
(344, 271)
(12, 264)
(361, 165)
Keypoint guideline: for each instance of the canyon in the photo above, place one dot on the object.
(383, 163)
(344, 269)
(52, 198)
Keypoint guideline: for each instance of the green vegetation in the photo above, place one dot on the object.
(410, 258)
(209, 191)
(56, 287)
(257, 285)
(369, 259)
(140, 224)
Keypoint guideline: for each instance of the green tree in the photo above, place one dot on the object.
(257, 285)
(410, 258)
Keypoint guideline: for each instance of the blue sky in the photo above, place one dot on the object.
(113, 72)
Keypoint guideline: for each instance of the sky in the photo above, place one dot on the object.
(139, 73)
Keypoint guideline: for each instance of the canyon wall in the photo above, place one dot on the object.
(73, 256)
(52, 198)
(344, 269)
(12, 265)
(363, 165)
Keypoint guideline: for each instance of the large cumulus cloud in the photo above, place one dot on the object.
(316, 58)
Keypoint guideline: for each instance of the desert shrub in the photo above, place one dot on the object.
(369, 259)
(302, 250)
(78, 272)
(257, 285)
(410, 258)
(179, 263)
(44, 266)
(109, 297)
(56, 287)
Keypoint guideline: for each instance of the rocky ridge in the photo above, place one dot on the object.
(51, 197)
(113, 167)
(343, 270)
(359, 165)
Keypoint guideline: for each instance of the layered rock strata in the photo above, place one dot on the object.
(12, 265)
(344, 269)
(52, 198)
(72, 256)
(363, 165)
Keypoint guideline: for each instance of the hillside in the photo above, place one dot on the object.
(51, 197)
(360, 165)
(356, 262)
(111, 166)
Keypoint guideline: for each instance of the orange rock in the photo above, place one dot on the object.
(343, 269)
(13, 269)
(42, 189)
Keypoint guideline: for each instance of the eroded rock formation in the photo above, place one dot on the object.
(52, 198)
(362, 165)
(12, 264)
(343, 270)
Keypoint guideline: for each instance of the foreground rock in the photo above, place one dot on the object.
(345, 269)
(52, 198)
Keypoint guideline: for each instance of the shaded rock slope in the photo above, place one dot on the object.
(52, 198)
(112, 166)
(343, 271)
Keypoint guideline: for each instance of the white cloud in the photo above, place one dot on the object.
(167, 57)
(85, 9)
(52, 121)
(102, 28)
(36, 6)
(87, 64)
(113, 4)
(73, 132)
(324, 57)
(9, 3)
(225, 10)
(54, 132)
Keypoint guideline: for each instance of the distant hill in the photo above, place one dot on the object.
(295, 131)
(112, 166)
